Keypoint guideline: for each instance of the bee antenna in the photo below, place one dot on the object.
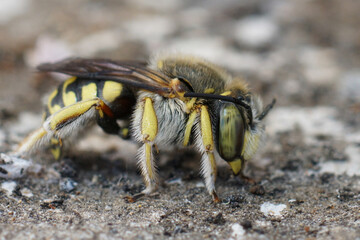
(267, 109)
(238, 100)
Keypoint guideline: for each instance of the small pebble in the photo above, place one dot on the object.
(9, 187)
(67, 185)
(270, 209)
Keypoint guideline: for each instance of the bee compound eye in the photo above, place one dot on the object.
(231, 132)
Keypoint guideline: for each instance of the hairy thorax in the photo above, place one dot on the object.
(171, 119)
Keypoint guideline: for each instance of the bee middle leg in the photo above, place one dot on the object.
(110, 126)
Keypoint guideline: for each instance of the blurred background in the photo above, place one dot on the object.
(304, 52)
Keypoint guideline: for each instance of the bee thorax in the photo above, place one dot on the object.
(171, 120)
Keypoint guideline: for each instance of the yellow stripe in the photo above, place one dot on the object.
(70, 97)
(149, 122)
(55, 107)
(206, 130)
(88, 92)
(111, 91)
(227, 93)
(189, 126)
(209, 90)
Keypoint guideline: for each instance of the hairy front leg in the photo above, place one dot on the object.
(208, 163)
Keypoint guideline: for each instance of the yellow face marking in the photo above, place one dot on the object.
(71, 112)
(149, 124)
(206, 129)
(70, 97)
(148, 160)
(52, 108)
(227, 93)
(236, 166)
(209, 90)
(89, 91)
(111, 91)
(189, 126)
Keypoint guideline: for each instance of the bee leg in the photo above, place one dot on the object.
(124, 132)
(208, 163)
(33, 141)
(247, 179)
(56, 147)
(189, 124)
(149, 127)
(64, 123)
(244, 177)
(134, 198)
(109, 125)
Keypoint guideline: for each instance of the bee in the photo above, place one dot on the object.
(174, 100)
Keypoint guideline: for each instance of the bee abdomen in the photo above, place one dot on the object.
(118, 97)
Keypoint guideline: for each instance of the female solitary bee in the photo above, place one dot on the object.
(173, 101)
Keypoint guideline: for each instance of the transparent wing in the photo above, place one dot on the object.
(132, 73)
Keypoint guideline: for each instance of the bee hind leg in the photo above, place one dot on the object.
(63, 124)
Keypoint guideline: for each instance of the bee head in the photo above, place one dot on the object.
(238, 129)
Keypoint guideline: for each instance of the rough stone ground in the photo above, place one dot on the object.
(304, 53)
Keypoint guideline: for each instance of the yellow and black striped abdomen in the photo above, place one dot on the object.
(118, 97)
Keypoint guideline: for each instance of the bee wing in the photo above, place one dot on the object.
(132, 73)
